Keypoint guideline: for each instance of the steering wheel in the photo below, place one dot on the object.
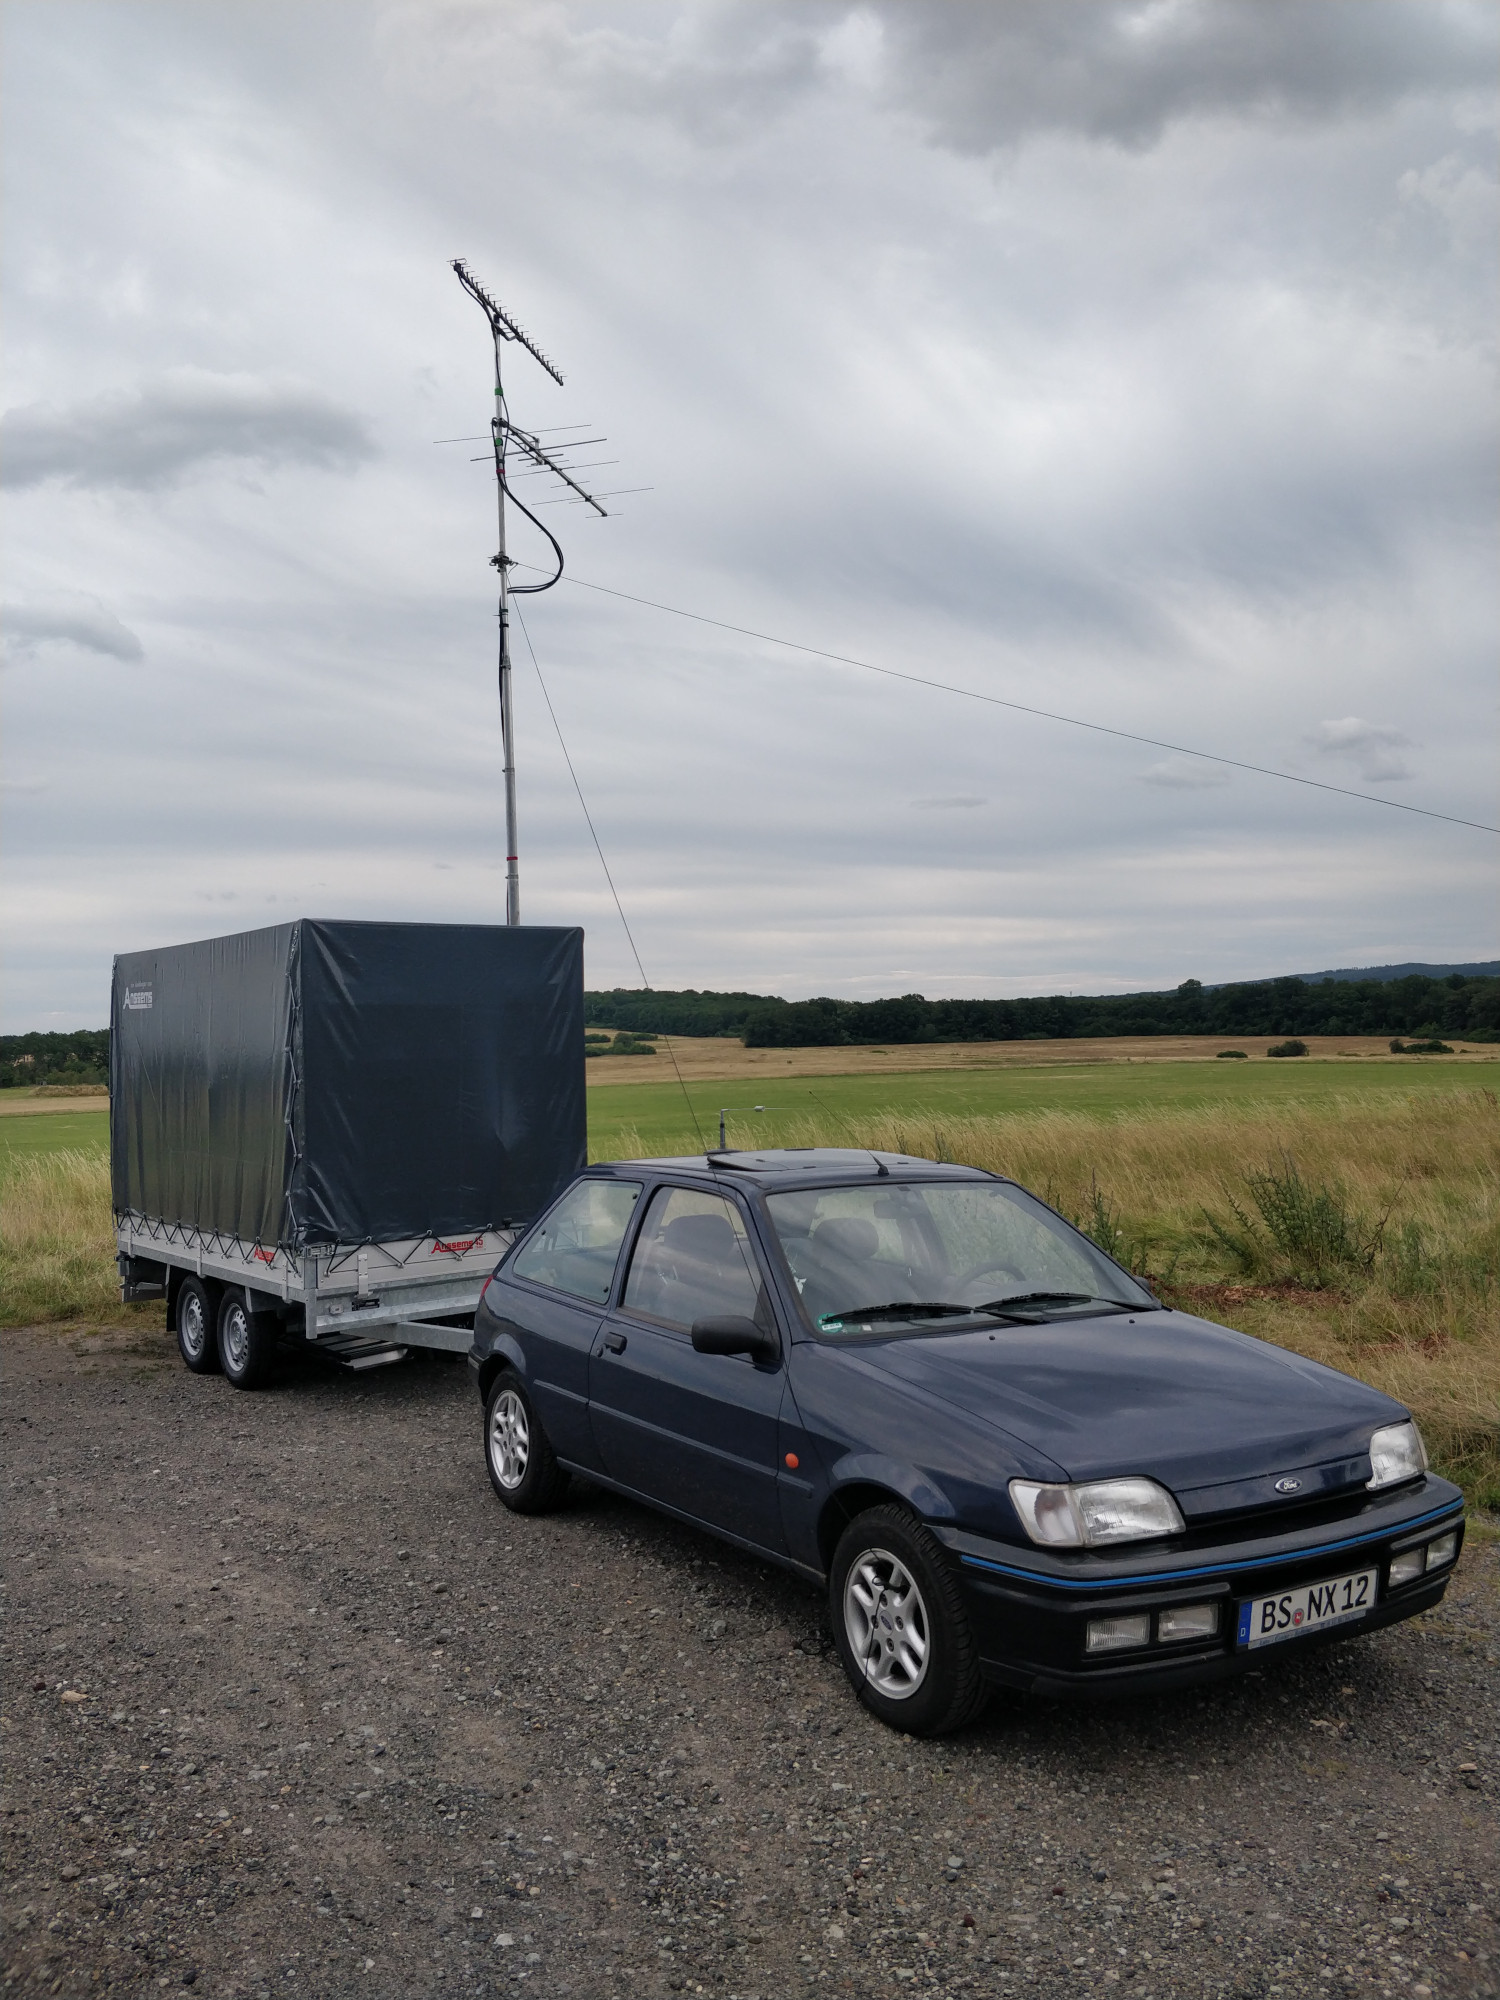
(983, 1271)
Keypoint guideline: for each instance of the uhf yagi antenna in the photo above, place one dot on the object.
(552, 461)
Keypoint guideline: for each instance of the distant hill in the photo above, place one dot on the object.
(1484, 968)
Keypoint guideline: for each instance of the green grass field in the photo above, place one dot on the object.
(53, 1132)
(652, 1118)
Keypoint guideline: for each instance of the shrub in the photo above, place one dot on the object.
(1311, 1224)
(1291, 1048)
(1428, 1048)
(1232, 1055)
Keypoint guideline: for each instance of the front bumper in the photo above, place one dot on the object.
(1031, 1608)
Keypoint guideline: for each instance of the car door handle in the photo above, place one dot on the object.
(614, 1343)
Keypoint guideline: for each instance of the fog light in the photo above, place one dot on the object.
(1108, 1635)
(1408, 1565)
(1443, 1550)
(1188, 1621)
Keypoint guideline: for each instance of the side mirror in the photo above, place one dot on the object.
(733, 1334)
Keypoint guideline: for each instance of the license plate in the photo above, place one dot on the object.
(1265, 1621)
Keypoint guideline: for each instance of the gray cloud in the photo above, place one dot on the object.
(1371, 747)
(71, 618)
(980, 77)
(154, 435)
(1119, 71)
(957, 804)
(718, 73)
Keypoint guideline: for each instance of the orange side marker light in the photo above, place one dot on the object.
(792, 1461)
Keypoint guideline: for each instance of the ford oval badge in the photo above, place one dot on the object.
(1289, 1486)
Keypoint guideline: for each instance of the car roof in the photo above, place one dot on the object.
(808, 1166)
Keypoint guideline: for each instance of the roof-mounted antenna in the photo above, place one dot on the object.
(504, 434)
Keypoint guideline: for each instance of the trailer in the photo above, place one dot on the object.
(329, 1132)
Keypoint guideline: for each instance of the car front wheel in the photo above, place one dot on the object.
(900, 1625)
(523, 1469)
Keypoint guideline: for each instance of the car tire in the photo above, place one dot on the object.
(900, 1625)
(197, 1321)
(247, 1343)
(522, 1466)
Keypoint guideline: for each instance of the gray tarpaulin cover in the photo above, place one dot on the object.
(322, 1083)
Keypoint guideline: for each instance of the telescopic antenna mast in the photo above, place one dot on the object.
(506, 436)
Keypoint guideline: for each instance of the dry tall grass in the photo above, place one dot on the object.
(1419, 1318)
(57, 1242)
(1420, 1180)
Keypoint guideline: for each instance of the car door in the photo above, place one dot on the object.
(552, 1296)
(696, 1431)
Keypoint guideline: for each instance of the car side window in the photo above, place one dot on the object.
(693, 1260)
(578, 1243)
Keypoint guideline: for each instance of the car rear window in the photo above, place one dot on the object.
(577, 1245)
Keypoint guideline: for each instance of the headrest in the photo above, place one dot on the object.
(849, 1236)
(709, 1238)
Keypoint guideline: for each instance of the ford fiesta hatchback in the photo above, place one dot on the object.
(918, 1386)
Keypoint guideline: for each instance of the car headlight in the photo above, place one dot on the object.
(1396, 1453)
(1098, 1511)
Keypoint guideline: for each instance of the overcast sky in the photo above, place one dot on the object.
(1131, 361)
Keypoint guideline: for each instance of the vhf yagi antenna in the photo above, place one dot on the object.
(505, 435)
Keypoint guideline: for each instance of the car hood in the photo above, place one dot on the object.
(1213, 1414)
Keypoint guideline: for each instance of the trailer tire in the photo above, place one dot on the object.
(522, 1465)
(247, 1343)
(196, 1320)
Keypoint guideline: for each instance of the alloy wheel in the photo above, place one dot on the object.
(886, 1622)
(510, 1439)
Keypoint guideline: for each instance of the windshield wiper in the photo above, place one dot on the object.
(944, 1309)
(903, 1309)
(1050, 1299)
(1037, 1299)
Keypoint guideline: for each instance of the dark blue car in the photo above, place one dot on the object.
(919, 1386)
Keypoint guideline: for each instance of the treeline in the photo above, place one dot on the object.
(81, 1057)
(687, 1013)
(1417, 1006)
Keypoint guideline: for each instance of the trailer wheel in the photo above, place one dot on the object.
(247, 1343)
(523, 1469)
(197, 1341)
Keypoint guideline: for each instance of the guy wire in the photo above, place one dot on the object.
(599, 850)
(1025, 708)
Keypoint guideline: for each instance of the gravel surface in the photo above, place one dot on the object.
(292, 1706)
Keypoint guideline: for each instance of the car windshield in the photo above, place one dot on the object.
(887, 1258)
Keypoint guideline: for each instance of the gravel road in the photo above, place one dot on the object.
(292, 1707)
